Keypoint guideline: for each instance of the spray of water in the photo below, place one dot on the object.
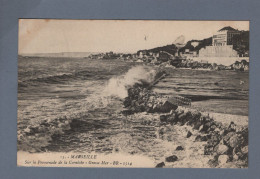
(118, 86)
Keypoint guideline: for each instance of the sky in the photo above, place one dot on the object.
(126, 36)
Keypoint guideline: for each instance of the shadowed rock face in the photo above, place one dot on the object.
(141, 99)
(160, 165)
(179, 148)
(172, 158)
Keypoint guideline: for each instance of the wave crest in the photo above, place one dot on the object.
(118, 86)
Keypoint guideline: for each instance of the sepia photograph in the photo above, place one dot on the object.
(133, 93)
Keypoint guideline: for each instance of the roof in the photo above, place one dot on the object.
(228, 28)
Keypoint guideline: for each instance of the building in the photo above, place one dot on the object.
(218, 51)
(189, 54)
(225, 36)
(222, 44)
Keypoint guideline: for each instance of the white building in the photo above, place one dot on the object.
(222, 44)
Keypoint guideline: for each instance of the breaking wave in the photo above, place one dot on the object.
(118, 86)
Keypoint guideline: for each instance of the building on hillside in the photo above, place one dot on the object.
(225, 36)
(188, 54)
(222, 44)
(218, 51)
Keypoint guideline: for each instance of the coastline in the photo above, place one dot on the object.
(225, 135)
(151, 134)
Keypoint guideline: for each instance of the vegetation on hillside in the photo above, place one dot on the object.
(202, 44)
(172, 49)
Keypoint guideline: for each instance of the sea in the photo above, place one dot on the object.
(92, 93)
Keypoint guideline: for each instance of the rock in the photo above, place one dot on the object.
(232, 127)
(162, 131)
(244, 150)
(222, 132)
(172, 112)
(209, 136)
(240, 155)
(182, 116)
(204, 138)
(166, 107)
(179, 111)
(206, 126)
(172, 158)
(223, 159)
(163, 118)
(222, 149)
(27, 130)
(179, 123)
(198, 138)
(213, 127)
(179, 148)
(213, 163)
(201, 128)
(217, 130)
(233, 141)
(235, 157)
(197, 125)
(208, 150)
(228, 136)
(172, 118)
(195, 115)
(189, 134)
(160, 165)
(127, 112)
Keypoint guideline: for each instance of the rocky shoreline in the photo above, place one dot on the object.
(225, 145)
(164, 129)
(243, 65)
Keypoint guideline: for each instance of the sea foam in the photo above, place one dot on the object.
(118, 86)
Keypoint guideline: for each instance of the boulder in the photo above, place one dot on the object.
(223, 159)
(172, 158)
(244, 150)
(201, 128)
(163, 118)
(197, 125)
(232, 127)
(233, 141)
(213, 163)
(189, 134)
(204, 138)
(213, 127)
(235, 157)
(179, 148)
(195, 115)
(182, 116)
(160, 165)
(172, 118)
(198, 138)
(222, 149)
(166, 107)
(179, 111)
(228, 136)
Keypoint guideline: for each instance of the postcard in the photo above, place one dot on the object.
(133, 93)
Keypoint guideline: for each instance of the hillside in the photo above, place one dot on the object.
(241, 44)
(202, 43)
(172, 49)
